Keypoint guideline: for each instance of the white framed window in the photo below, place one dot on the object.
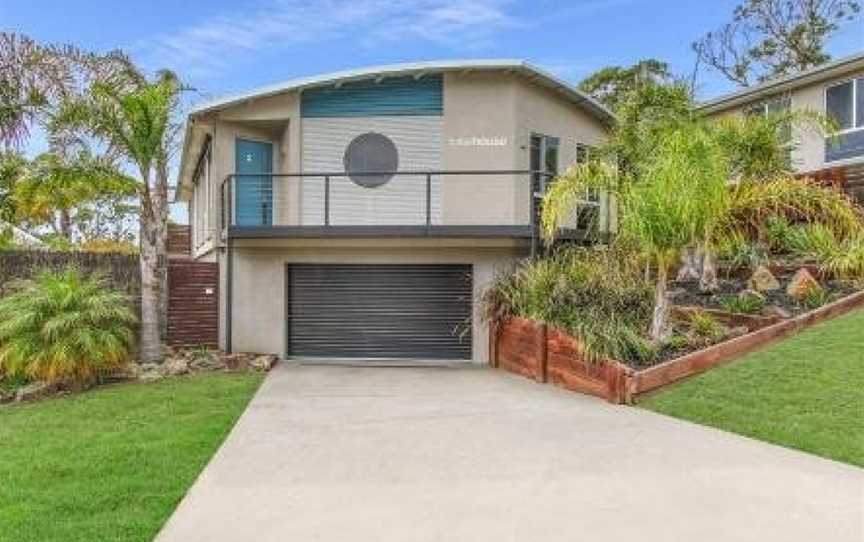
(844, 103)
(543, 161)
(201, 201)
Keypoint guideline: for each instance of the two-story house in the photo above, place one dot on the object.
(358, 215)
(834, 90)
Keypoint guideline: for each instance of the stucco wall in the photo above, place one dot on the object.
(480, 134)
(542, 111)
(258, 323)
(487, 123)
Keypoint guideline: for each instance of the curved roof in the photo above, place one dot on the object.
(416, 68)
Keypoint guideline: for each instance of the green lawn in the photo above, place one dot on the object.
(113, 463)
(806, 392)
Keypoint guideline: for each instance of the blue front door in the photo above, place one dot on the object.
(254, 192)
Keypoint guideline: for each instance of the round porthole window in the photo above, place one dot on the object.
(371, 153)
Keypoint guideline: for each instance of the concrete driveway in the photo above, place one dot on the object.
(364, 454)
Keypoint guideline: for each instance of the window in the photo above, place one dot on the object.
(589, 209)
(844, 103)
(773, 106)
(543, 160)
(201, 202)
(371, 153)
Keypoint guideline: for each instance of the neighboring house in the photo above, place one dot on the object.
(19, 236)
(834, 89)
(358, 215)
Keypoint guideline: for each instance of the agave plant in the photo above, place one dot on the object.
(64, 327)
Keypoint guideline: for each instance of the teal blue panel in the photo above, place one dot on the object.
(395, 96)
(254, 199)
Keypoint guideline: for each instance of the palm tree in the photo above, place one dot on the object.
(32, 76)
(134, 116)
(675, 203)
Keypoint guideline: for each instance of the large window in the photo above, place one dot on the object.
(544, 160)
(844, 103)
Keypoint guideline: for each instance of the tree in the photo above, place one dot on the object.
(673, 206)
(644, 114)
(31, 77)
(70, 194)
(11, 169)
(611, 84)
(771, 38)
(134, 116)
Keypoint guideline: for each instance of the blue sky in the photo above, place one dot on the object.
(221, 47)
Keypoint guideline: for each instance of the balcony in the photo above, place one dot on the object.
(389, 204)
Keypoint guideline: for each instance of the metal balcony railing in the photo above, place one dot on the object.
(506, 201)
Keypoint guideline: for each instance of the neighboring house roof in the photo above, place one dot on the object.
(818, 74)
(437, 66)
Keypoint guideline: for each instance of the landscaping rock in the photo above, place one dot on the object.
(175, 367)
(762, 280)
(802, 285)
(263, 363)
(779, 312)
(677, 292)
(34, 390)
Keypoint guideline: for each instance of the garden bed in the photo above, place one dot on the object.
(777, 302)
(532, 349)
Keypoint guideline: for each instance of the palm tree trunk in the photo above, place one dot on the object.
(66, 224)
(661, 304)
(151, 321)
(689, 271)
(708, 280)
(161, 211)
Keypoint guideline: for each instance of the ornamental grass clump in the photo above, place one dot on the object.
(600, 296)
(64, 328)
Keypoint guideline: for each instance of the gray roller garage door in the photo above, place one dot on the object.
(379, 311)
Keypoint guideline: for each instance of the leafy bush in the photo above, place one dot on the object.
(705, 327)
(600, 296)
(780, 235)
(843, 259)
(816, 297)
(64, 327)
(742, 304)
(814, 241)
(847, 262)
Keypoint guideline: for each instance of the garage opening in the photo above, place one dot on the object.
(379, 312)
